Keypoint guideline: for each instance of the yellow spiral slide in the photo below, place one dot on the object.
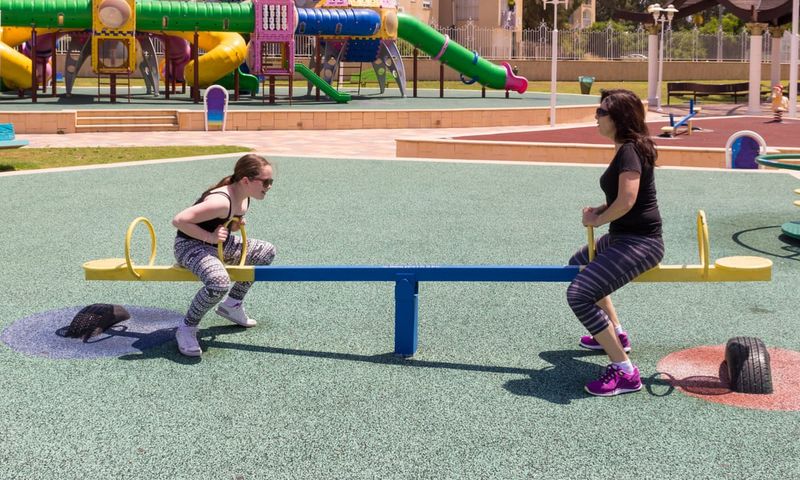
(16, 68)
(225, 51)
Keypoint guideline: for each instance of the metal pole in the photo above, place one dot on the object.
(414, 82)
(34, 84)
(793, 63)
(553, 64)
(167, 70)
(660, 69)
(195, 59)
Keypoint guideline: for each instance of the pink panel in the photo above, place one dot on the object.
(274, 23)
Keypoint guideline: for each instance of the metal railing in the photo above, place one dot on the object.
(578, 44)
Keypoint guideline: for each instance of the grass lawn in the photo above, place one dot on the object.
(35, 158)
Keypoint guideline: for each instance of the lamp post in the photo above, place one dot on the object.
(661, 15)
(554, 60)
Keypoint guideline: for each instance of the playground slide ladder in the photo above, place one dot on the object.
(113, 82)
(348, 71)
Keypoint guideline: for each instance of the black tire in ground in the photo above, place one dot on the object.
(748, 365)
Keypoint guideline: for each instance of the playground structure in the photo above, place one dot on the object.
(109, 30)
(787, 162)
(407, 277)
(742, 148)
(672, 130)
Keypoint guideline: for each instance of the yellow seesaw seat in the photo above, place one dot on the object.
(123, 269)
(726, 269)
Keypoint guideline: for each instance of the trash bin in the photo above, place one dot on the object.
(586, 84)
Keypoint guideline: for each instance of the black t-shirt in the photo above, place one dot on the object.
(644, 218)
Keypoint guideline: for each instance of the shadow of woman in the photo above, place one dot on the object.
(562, 381)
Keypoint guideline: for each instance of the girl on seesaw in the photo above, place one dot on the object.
(632, 245)
(201, 227)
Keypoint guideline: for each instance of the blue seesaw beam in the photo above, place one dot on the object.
(686, 121)
(406, 287)
(420, 273)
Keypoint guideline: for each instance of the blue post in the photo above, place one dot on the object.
(406, 318)
(671, 120)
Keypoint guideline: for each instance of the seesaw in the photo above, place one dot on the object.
(672, 129)
(407, 277)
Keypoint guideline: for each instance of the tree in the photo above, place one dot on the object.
(731, 24)
(604, 9)
(534, 13)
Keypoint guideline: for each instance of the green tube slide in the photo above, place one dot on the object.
(150, 15)
(339, 97)
(468, 63)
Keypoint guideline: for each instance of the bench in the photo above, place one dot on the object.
(7, 137)
(679, 89)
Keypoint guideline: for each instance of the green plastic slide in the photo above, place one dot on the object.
(247, 82)
(469, 64)
(336, 95)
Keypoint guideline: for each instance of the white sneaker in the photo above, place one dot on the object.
(235, 314)
(187, 341)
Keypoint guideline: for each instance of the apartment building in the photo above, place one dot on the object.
(584, 16)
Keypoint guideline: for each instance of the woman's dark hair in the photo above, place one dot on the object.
(248, 166)
(627, 113)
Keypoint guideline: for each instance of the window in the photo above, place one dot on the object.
(467, 10)
(426, 4)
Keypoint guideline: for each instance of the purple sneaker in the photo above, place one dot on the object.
(588, 341)
(614, 381)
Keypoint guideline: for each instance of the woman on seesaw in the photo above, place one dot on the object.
(201, 227)
(632, 245)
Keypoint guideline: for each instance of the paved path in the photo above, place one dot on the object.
(377, 143)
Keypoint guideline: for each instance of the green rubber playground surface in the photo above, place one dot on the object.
(367, 99)
(495, 390)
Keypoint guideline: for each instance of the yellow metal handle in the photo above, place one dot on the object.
(128, 235)
(590, 243)
(702, 241)
(221, 253)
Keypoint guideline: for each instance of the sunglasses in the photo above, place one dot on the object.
(267, 182)
(601, 112)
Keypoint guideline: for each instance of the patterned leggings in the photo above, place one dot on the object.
(201, 259)
(618, 260)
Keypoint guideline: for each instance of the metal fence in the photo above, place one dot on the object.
(608, 44)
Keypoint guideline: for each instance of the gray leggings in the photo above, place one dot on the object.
(619, 259)
(201, 259)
